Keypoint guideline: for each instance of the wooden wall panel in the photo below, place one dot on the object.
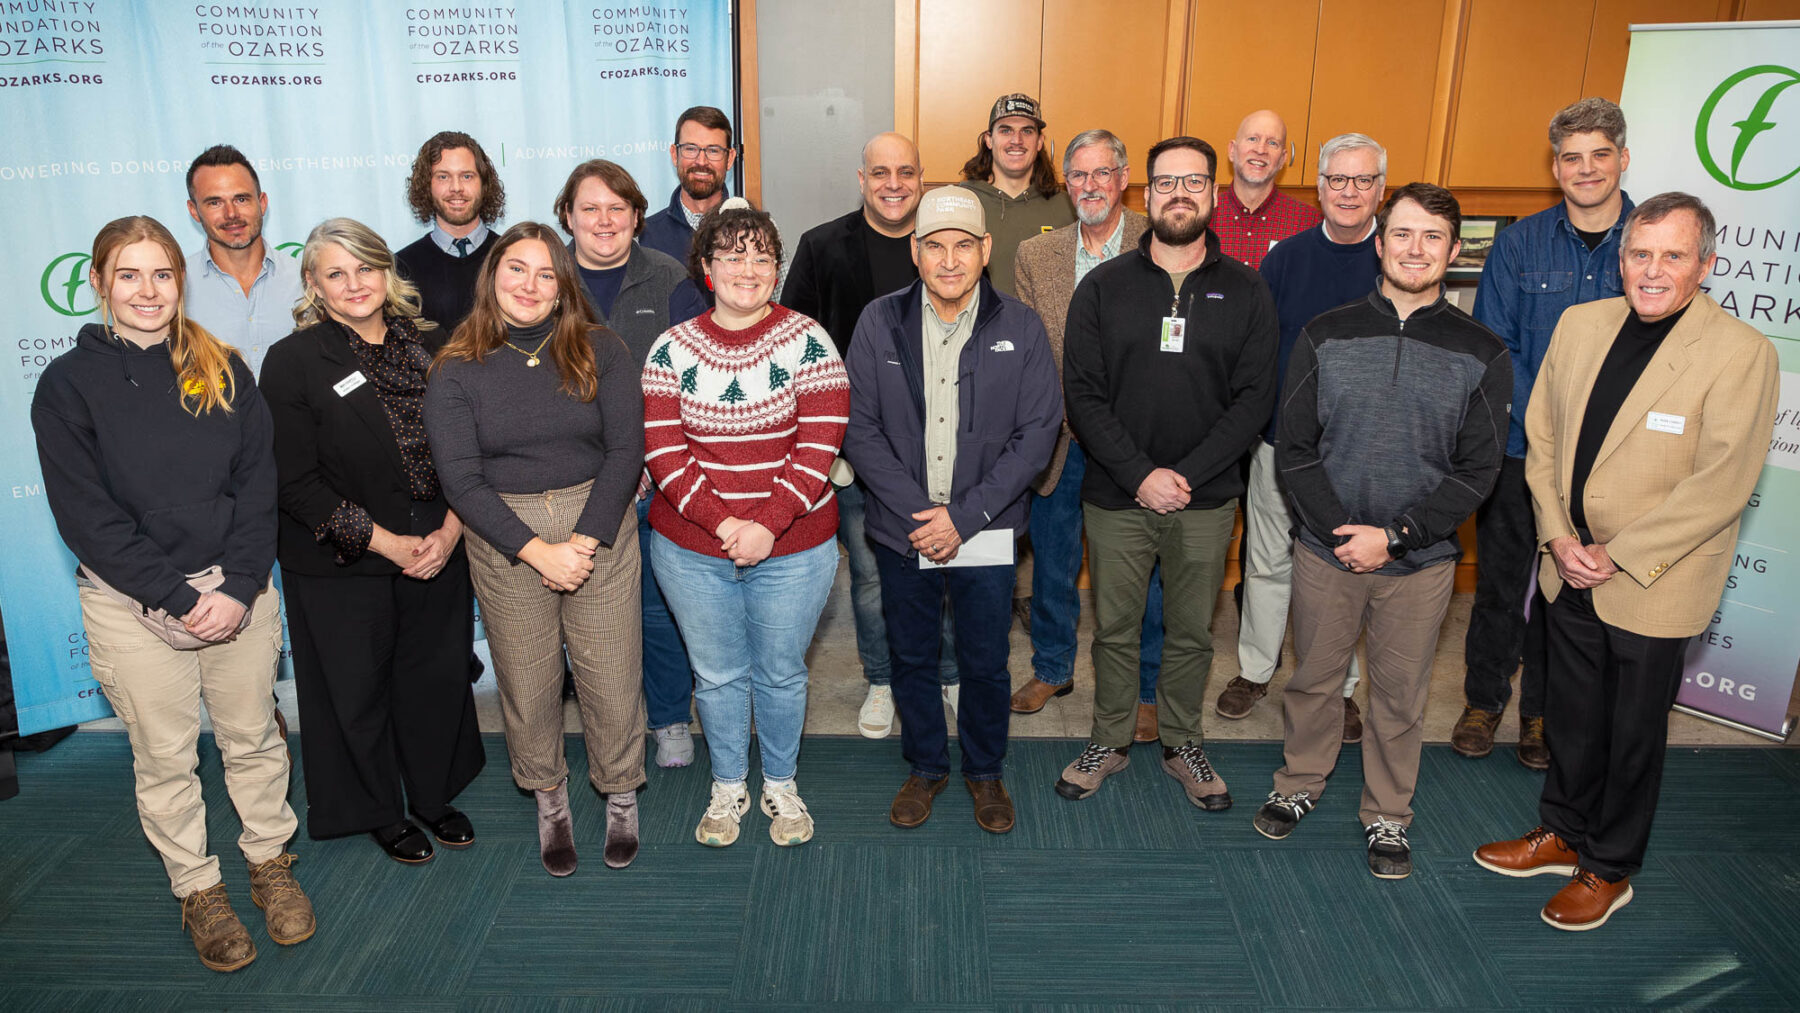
(1769, 10)
(1376, 75)
(969, 55)
(1117, 86)
(1610, 42)
(1515, 75)
(1245, 57)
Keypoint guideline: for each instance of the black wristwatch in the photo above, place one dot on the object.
(1396, 547)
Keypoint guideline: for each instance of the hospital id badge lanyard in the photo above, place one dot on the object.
(1174, 327)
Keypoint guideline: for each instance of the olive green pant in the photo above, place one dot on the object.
(1123, 547)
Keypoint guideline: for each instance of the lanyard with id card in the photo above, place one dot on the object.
(1174, 328)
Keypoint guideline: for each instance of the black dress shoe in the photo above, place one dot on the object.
(403, 842)
(452, 830)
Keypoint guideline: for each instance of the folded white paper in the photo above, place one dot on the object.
(993, 547)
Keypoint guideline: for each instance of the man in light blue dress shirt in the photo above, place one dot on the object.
(238, 287)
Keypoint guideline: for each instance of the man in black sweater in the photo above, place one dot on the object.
(455, 188)
(1169, 374)
(1390, 434)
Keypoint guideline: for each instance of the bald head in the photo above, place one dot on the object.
(1259, 151)
(891, 184)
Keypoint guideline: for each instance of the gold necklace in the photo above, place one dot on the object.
(531, 357)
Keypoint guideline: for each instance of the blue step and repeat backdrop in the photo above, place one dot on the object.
(105, 102)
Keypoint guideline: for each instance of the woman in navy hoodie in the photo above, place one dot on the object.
(160, 471)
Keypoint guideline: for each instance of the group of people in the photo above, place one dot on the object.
(642, 463)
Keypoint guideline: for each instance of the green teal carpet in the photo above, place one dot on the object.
(1130, 900)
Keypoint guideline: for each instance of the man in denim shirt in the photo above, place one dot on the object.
(1539, 267)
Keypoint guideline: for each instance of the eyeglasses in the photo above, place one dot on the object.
(1338, 182)
(735, 263)
(1101, 177)
(1195, 182)
(713, 152)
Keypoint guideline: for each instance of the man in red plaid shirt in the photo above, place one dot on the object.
(1252, 216)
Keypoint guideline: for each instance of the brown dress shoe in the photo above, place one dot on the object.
(1473, 735)
(993, 806)
(1352, 722)
(1533, 752)
(1239, 696)
(286, 911)
(1538, 853)
(912, 806)
(1032, 696)
(1586, 903)
(1146, 724)
(221, 940)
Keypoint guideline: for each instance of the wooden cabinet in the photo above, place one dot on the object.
(1610, 41)
(1377, 76)
(1245, 57)
(970, 54)
(1118, 86)
(1518, 68)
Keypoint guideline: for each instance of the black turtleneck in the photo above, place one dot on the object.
(1631, 351)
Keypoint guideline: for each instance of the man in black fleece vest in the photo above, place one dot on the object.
(1390, 434)
(455, 188)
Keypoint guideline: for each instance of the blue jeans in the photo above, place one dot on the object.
(865, 593)
(747, 629)
(981, 607)
(1055, 603)
(668, 680)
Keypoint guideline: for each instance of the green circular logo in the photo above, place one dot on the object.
(291, 249)
(1750, 129)
(63, 282)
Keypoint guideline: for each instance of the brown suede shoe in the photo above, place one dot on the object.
(1538, 853)
(1239, 697)
(912, 805)
(1146, 724)
(1586, 903)
(1032, 696)
(221, 940)
(1473, 735)
(286, 910)
(993, 806)
(1352, 722)
(1533, 752)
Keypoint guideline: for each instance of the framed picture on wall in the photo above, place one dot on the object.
(1477, 239)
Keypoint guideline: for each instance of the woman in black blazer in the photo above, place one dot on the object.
(375, 576)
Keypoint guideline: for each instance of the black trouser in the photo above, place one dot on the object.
(381, 665)
(1610, 691)
(1499, 636)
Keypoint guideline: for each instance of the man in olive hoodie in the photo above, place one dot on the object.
(1011, 174)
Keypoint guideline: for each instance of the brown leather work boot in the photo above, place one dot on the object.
(1352, 722)
(1239, 696)
(1534, 751)
(1538, 853)
(284, 905)
(221, 940)
(1032, 696)
(1473, 735)
(993, 806)
(1586, 903)
(1146, 724)
(912, 805)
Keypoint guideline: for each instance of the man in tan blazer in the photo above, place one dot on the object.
(1646, 434)
(1046, 271)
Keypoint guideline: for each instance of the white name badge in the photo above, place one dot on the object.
(1662, 423)
(349, 383)
(1174, 333)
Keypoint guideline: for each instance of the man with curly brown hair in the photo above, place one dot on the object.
(455, 188)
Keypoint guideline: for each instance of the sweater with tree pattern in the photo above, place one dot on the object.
(744, 424)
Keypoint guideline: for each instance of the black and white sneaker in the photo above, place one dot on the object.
(1281, 813)
(1390, 857)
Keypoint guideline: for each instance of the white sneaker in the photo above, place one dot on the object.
(876, 719)
(953, 697)
(719, 824)
(790, 823)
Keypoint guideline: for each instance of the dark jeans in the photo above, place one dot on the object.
(981, 606)
(1056, 604)
(668, 679)
(1499, 637)
(1610, 692)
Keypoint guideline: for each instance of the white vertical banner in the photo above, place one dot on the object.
(1714, 110)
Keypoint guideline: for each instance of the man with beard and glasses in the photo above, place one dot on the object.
(455, 188)
(1168, 372)
(1046, 273)
(1011, 174)
(702, 156)
(1319, 269)
(838, 269)
(1393, 423)
(241, 289)
(1253, 215)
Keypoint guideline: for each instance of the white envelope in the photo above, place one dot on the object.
(993, 547)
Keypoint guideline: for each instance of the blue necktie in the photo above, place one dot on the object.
(462, 246)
